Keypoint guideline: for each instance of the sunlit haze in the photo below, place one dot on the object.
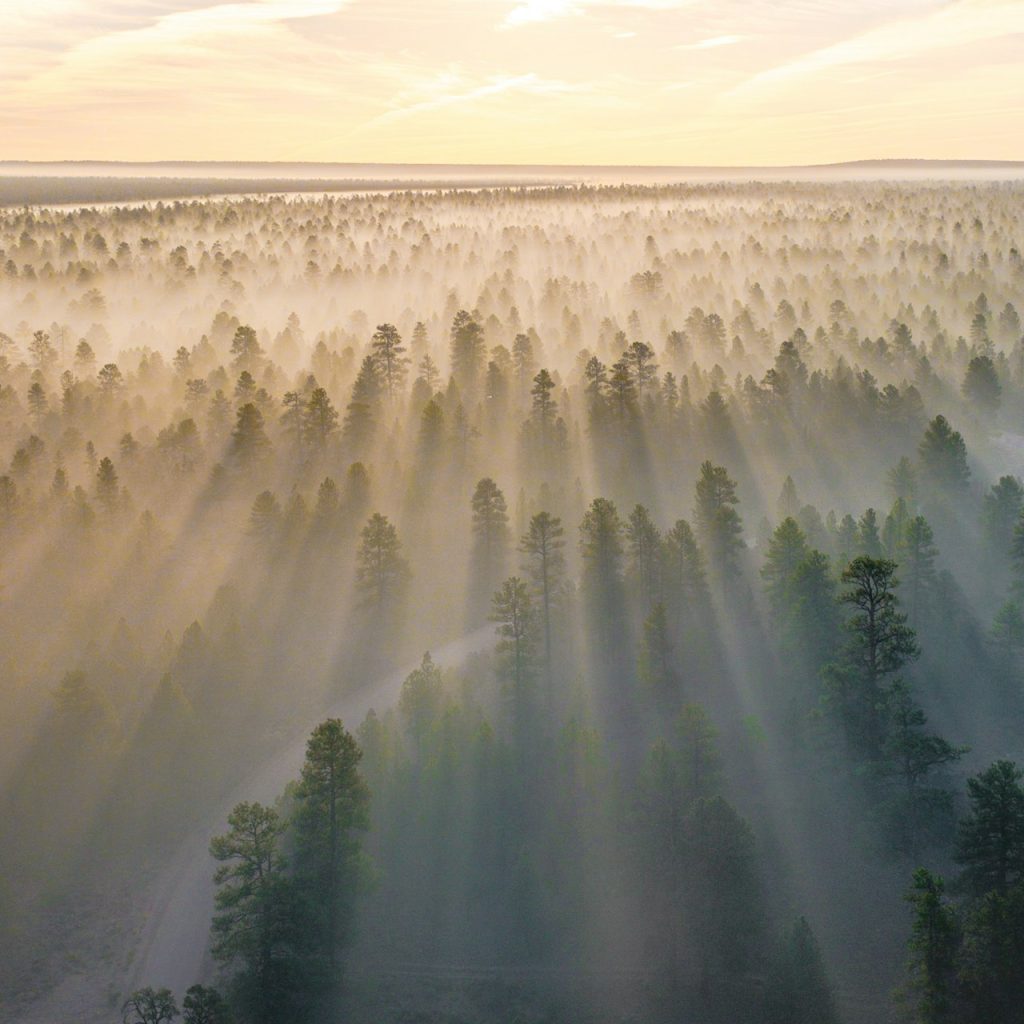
(511, 511)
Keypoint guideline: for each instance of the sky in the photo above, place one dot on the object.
(655, 82)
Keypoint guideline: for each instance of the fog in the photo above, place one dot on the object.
(704, 498)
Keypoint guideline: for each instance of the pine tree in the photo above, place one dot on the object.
(683, 575)
(523, 363)
(490, 532)
(645, 547)
(381, 572)
(916, 556)
(990, 844)
(639, 360)
(203, 1005)
(108, 494)
(601, 551)
(257, 926)
(391, 358)
(249, 441)
(869, 542)
(920, 813)
(717, 520)
(149, 1006)
(543, 414)
(981, 384)
(797, 989)
(878, 643)
(246, 350)
(1008, 632)
(934, 948)
(467, 352)
(544, 562)
(788, 503)
(1001, 510)
(360, 413)
(319, 421)
(513, 612)
(655, 666)
(901, 482)
(331, 807)
(786, 553)
(944, 458)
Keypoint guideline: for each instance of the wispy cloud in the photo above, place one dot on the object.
(656, 81)
(526, 11)
(958, 24)
(710, 44)
(451, 90)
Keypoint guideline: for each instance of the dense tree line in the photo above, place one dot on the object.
(721, 481)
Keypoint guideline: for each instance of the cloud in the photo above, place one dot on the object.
(958, 24)
(711, 44)
(450, 90)
(527, 11)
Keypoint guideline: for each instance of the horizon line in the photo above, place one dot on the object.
(860, 162)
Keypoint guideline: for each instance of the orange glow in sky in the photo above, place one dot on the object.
(518, 81)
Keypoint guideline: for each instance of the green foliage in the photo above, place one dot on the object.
(934, 947)
(149, 1006)
(381, 572)
(542, 547)
(944, 459)
(878, 643)
(656, 664)
(797, 990)
(601, 551)
(203, 1005)
(513, 612)
(644, 549)
(786, 552)
(718, 522)
(990, 845)
(981, 384)
(249, 442)
(331, 806)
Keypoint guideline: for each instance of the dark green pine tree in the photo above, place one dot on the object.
(389, 352)
(360, 423)
(602, 583)
(467, 353)
(787, 550)
(259, 929)
(656, 662)
(644, 547)
(249, 442)
(490, 539)
(204, 1005)
(797, 989)
(542, 547)
(381, 572)
(1001, 510)
(990, 844)
(934, 950)
(944, 459)
(878, 643)
(332, 805)
(718, 523)
(513, 613)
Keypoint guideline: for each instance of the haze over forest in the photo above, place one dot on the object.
(642, 564)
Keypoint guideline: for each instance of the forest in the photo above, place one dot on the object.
(573, 603)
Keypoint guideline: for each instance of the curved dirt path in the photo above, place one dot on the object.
(173, 949)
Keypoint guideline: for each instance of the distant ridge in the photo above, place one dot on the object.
(404, 169)
(85, 182)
